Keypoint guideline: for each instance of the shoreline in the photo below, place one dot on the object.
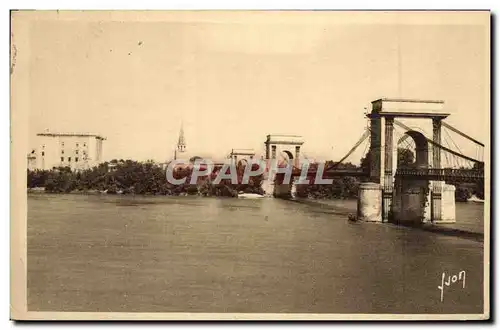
(429, 227)
(31, 191)
(320, 202)
(304, 200)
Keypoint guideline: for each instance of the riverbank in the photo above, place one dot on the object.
(41, 190)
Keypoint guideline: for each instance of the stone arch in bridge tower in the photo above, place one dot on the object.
(284, 147)
(243, 162)
(411, 198)
(419, 150)
(419, 119)
(288, 155)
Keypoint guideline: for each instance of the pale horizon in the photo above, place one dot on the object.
(234, 79)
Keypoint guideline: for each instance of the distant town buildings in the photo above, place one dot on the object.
(85, 150)
(75, 150)
(188, 158)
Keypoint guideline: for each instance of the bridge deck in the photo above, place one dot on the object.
(441, 174)
(432, 174)
(338, 173)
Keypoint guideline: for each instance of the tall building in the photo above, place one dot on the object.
(76, 150)
(32, 160)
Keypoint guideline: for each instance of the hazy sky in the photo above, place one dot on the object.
(235, 79)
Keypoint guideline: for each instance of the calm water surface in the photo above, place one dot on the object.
(183, 254)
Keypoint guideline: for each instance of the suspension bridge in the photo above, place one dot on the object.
(417, 184)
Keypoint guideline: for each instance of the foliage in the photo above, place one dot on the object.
(37, 178)
(406, 157)
(132, 177)
(365, 163)
(147, 178)
(462, 193)
(341, 188)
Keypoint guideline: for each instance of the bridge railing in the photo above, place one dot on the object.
(440, 173)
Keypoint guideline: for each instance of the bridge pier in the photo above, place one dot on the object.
(370, 202)
(282, 190)
(414, 202)
(411, 204)
(446, 205)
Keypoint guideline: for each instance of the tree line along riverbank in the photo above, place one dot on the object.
(148, 178)
(132, 177)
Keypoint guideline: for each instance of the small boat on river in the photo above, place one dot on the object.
(475, 199)
(250, 196)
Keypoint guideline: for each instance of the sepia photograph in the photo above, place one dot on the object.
(250, 165)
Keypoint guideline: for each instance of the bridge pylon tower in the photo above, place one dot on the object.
(419, 199)
(289, 145)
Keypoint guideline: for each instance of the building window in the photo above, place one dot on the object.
(84, 144)
(62, 144)
(62, 152)
(77, 152)
(62, 159)
(43, 153)
(69, 159)
(76, 159)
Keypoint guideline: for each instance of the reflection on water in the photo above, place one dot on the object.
(189, 254)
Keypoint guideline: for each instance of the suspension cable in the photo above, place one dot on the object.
(439, 145)
(461, 133)
(456, 146)
(454, 161)
(446, 154)
(363, 137)
(366, 147)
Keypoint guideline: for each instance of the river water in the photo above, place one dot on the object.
(191, 254)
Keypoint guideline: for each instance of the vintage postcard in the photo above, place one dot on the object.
(251, 165)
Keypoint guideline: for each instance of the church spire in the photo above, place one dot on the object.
(181, 144)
